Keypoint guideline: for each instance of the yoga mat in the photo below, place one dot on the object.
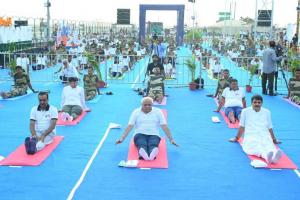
(292, 103)
(29, 92)
(72, 123)
(161, 160)
(20, 158)
(284, 162)
(163, 103)
(230, 125)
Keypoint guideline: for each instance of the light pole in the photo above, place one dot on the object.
(48, 5)
(298, 22)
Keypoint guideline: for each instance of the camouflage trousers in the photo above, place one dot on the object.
(17, 91)
(156, 95)
(296, 99)
(90, 94)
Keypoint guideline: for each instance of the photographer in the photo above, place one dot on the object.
(279, 52)
(269, 68)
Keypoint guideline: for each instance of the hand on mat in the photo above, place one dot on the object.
(119, 141)
(276, 141)
(87, 110)
(232, 140)
(174, 143)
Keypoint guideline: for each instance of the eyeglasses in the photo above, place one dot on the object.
(147, 104)
(43, 99)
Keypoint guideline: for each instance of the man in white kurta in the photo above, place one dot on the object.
(257, 128)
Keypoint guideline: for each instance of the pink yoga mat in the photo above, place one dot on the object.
(230, 125)
(163, 103)
(72, 123)
(20, 158)
(161, 160)
(292, 103)
(284, 162)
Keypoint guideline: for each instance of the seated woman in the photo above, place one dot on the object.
(90, 84)
(67, 71)
(233, 99)
(22, 82)
(156, 85)
(72, 101)
(147, 120)
(294, 88)
(116, 70)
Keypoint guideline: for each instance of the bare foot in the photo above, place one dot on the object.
(231, 118)
(3, 95)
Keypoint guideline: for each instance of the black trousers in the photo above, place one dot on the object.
(147, 142)
(270, 79)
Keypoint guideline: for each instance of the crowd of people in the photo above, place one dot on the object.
(259, 138)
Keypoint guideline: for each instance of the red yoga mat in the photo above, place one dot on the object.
(163, 103)
(230, 125)
(20, 158)
(60, 122)
(284, 162)
(161, 160)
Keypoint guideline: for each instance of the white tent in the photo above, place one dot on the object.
(230, 27)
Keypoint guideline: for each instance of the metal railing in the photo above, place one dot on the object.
(43, 68)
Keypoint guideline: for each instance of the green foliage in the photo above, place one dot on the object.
(197, 35)
(293, 60)
(92, 61)
(12, 65)
(252, 71)
(191, 64)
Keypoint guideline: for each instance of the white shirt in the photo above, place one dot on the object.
(43, 118)
(112, 51)
(233, 98)
(73, 96)
(149, 123)
(23, 62)
(217, 68)
(168, 67)
(116, 68)
(257, 125)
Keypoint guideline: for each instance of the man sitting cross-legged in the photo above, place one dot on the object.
(72, 101)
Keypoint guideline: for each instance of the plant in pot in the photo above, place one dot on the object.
(12, 66)
(191, 64)
(252, 70)
(92, 61)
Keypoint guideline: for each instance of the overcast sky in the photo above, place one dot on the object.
(206, 10)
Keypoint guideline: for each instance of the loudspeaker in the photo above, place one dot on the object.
(21, 23)
(123, 16)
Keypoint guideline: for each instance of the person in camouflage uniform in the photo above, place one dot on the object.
(22, 82)
(156, 85)
(90, 84)
(222, 84)
(294, 87)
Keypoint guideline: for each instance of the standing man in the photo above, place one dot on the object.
(43, 121)
(256, 126)
(147, 120)
(269, 69)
